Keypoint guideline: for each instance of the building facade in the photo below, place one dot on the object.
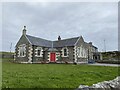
(30, 49)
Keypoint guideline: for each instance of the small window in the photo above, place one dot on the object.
(65, 52)
(38, 52)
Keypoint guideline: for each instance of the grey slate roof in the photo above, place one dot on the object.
(46, 43)
(65, 42)
(39, 41)
(87, 44)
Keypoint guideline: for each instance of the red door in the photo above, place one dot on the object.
(52, 57)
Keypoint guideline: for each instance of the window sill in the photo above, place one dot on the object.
(81, 57)
(64, 56)
(21, 56)
(39, 56)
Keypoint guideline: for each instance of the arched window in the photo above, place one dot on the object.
(38, 52)
(22, 50)
(65, 52)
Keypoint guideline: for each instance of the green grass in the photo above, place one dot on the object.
(6, 52)
(6, 59)
(54, 75)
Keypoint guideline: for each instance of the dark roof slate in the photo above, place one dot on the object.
(65, 42)
(87, 44)
(39, 41)
(46, 43)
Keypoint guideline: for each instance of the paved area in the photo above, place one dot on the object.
(101, 64)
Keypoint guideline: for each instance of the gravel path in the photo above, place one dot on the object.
(101, 64)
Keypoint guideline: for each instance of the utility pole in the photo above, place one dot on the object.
(10, 47)
(104, 46)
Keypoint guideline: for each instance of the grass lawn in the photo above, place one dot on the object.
(54, 75)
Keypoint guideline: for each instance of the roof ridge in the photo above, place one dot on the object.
(51, 40)
(38, 37)
(48, 43)
(68, 38)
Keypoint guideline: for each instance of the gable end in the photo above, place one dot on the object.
(79, 40)
(23, 40)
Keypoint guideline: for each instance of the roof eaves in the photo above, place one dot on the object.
(95, 47)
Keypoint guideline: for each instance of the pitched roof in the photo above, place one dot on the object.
(65, 42)
(46, 43)
(39, 41)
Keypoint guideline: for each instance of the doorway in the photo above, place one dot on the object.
(52, 57)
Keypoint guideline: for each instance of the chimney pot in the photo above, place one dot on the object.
(59, 38)
(90, 43)
(24, 30)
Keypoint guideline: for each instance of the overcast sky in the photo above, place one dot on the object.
(95, 21)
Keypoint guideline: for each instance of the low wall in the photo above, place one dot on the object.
(105, 85)
(6, 55)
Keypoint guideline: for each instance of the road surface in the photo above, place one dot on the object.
(103, 64)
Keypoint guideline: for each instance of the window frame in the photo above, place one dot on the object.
(82, 52)
(63, 53)
(78, 52)
(22, 50)
(40, 52)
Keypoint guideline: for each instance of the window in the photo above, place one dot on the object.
(81, 52)
(22, 50)
(78, 51)
(65, 52)
(38, 52)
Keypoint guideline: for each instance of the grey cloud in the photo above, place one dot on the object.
(95, 21)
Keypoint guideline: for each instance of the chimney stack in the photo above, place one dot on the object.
(24, 30)
(59, 38)
(90, 43)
